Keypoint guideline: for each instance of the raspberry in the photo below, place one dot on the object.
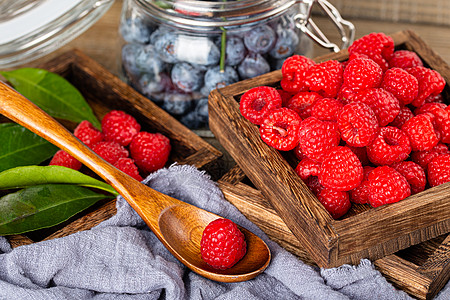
(414, 174)
(88, 134)
(128, 166)
(430, 82)
(110, 151)
(280, 129)
(420, 132)
(423, 158)
(401, 84)
(293, 73)
(257, 102)
(337, 203)
(346, 94)
(317, 137)
(358, 124)
(302, 103)
(64, 159)
(435, 99)
(285, 96)
(361, 153)
(386, 185)
(150, 151)
(377, 46)
(314, 185)
(360, 194)
(307, 168)
(439, 170)
(298, 152)
(119, 127)
(441, 118)
(222, 244)
(325, 78)
(362, 73)
(405, 59)
(326, 109)
(341, 169)
(390, 146)
(404, 115)
(385, 106)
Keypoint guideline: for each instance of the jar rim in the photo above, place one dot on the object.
(213, 14)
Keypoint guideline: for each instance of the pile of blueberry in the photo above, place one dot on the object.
(177, 70)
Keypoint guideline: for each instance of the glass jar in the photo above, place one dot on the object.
(176, 52)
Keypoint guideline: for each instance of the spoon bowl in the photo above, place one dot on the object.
(178, 225)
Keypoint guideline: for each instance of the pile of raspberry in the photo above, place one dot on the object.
(373, 129)
(121, 143)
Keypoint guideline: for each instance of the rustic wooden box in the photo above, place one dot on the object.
(363, 232)
(421, 270)
(104, 92)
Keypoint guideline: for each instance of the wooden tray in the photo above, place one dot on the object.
(105, 92)
(363, 233)
(420, 270)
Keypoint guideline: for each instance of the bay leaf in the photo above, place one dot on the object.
(43, 206)
(52, 93)
(21, 177)
(21, 147)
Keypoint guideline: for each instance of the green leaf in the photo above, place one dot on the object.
(43, 206)
(53, 93)
(21, 147)
(22, 177)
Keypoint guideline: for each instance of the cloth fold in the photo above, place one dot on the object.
(121, 259)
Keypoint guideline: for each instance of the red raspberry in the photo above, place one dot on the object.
(414, 174)
(326, 109)
(404, 115)
(298, 152)
(386, 185)
(317, 137)
(280, 129)
(385, 106)
(128, 166)
(119, 127)
(346, 94)
(257, 102)
(358, 124)
(64, 159)
(439, 170)
(341, 169)
(88, 134)
(361, 153)
(325, 78)
(423, 158)
(150, 151)
(110, 151)
(405, 59)
(435, 99)
(421, 132)
(307, 168)
(390, 146)
(430, 82)
(337, 203)
(360, 194)
(222, 244)
(293, 73)
(362, 73)
(401, 84)
(285, 96)
(314, 185)
(441, 118)
(377, 46)
(302, 103)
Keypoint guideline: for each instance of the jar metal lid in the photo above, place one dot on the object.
(32, 29)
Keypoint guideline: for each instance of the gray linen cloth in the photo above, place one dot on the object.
(122, 259)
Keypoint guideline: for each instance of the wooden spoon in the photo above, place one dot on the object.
(178, 225)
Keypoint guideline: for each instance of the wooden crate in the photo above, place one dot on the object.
(420, 270)
(363, 232)
(104, 92)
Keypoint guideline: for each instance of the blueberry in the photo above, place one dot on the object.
(215, 78)
(129, 52)
(165, 45)
(201, 109)
(260, 39)
(176, 103)
(287, 42)
(198, 117)
(186, 77)
(150, 84)
(234, 51)
(138, 59)
(253, 65)
(135, 30)
(191, 120)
